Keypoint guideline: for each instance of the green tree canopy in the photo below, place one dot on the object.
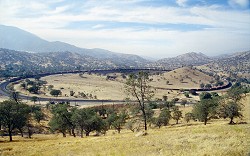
(177, 114)
(205, 109)
(205, 95)
(163, 118)
(61, 120)
(87, 120)
(55, 92)
(13, 115)
(230, 110)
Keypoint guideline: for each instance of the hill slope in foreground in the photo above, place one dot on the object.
(216, 138)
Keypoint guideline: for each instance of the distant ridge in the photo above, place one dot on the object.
(187, 59)
(13, 63)
(20, 40)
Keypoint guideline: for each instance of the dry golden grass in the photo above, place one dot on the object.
(190, 79)
(213, 139)
(194, 139)
(97, 85)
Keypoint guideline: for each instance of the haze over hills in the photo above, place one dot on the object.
(23, 63)
(20, 40)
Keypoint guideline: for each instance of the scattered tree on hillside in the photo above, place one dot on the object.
(55, 92)
(169, 104)
(149, 114)
(205, 109)
(37, 113)
(13, 115)
(165, 97)
(119, 120)
(29, 82)
(15, 96)
(87, 120)
(208, 86)
(231, 106)
(214, 94)
(132, 125)
(61, 120)
(177, 114)
(34, 99)
(186, 94)
(205, 95)
(189, 116)
(230, 110)
(71, 93)
(202, 85)
(23, 85)
(163, 118)
(237, 91)
(219, 83)
(50, 87)
(33, 89)
(138, 87)
(38, 116)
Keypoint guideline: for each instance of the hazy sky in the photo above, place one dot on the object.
(156, 28)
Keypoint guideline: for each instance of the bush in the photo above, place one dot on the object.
(186, 94)
(205, 95)
(55, 92)
(163, 118)
(153, 105)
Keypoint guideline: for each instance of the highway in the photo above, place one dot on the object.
(5, 92)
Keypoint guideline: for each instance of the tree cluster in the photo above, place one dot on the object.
(33, 86)
(16, 116)
(212, 105)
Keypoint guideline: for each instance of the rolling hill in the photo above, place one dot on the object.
(185, 78)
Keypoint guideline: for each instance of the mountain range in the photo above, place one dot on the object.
(17, 39)
(28, 53)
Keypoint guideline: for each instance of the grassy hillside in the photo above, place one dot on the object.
(213, 139)
(216, 138)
